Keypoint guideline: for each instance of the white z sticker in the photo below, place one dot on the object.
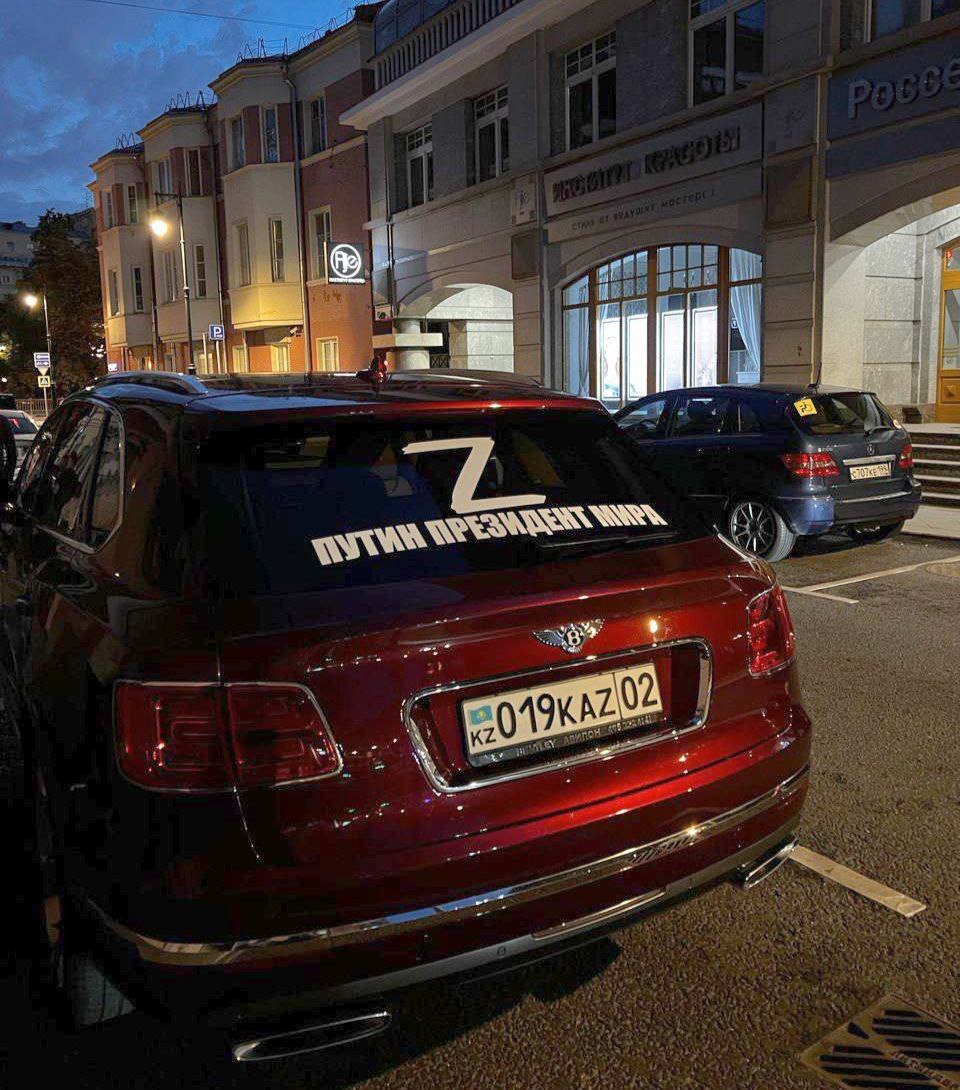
(462, 501)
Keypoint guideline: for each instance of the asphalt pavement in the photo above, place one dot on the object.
(720, 993)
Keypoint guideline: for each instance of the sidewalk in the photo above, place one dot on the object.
(935, 522)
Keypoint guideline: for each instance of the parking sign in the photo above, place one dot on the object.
(216, 333)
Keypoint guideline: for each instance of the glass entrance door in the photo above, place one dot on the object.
(948, 380)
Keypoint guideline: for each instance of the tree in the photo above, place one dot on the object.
(65, 268)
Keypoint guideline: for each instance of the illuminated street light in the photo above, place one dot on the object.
(160, 228)
(31, 300)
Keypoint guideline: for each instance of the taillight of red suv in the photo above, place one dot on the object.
(184, 737)
(811, 466)
(770, 639)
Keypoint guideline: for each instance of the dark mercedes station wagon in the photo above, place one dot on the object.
(332, 685)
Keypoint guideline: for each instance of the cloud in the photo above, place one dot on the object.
(78, 76)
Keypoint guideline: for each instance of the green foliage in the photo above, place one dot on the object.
(66, 270)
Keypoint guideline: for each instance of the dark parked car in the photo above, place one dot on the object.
(333, 685)
(23, 429)
(771, 463)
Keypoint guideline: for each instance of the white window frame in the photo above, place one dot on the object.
(490, 111)
(280, 357)
(277, 255)
(419, 145)
(193, 154)
(238, 143)
(169, 277)
(133, 204)
(241, 359)
(727, 12)
(136, 286)
(244, 255)
(265, 111)
(113, 292)
(588, 69)
(164, 179)
(318, 255)
(109, 219)
(200, 270)
(324, 343)
(317, 125)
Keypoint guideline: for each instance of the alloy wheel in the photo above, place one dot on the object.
(752, 527)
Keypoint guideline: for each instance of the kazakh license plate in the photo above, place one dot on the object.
(870, 473)
(516, 724)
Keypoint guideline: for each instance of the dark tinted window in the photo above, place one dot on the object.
(643, 421)
(830, 414)
(28, 482)
(60, 499)
(359, 503)
(700, 416)
(105, 504)
(746, 419)
(21, 424)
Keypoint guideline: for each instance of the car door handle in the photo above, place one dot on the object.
(24, 605)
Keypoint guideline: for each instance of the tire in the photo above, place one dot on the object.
(866, 534)
(760, 529)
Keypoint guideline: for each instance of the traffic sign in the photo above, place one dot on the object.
(41, 360)
(216, 333)
(43, 368)
(43, 381)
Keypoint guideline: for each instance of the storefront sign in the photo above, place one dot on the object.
(672, 202)
(345, 263)
(897, 87)
(689, 152)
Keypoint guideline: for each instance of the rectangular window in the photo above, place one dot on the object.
(238, 146)
(243, 253)
(280, 357)
(200, 274)
(591, 83)
(328, 353)
(420, 166)
(318, 125)
(113, 291)
(321, 234)
(890, 16)
(164, 184)
(133, 205)
(726, 47)
(136, 281)
(271, 139)
(194, 172)
(492, 134)
(169, 278)
(241, 362)
(276, 250)
(108, 218)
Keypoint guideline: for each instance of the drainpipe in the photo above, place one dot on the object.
(217, 237)
(298, 197)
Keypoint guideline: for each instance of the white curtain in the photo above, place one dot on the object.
(746, 301)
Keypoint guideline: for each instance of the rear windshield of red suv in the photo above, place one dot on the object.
(833, 414)
(368, 501)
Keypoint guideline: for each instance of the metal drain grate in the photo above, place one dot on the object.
(890, 1046)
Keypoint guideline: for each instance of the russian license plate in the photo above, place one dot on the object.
(516, 724)
(870, 473)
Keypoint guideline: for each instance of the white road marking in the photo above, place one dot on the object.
(870, 576)
(817, 594)
(850, 879)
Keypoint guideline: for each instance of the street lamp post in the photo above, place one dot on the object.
(32, 300)
(159, 226)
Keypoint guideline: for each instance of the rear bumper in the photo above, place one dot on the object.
(818, 513)
(233, 982)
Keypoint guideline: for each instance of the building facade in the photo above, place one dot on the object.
(266, 181)
(16, 253)
(622, 198)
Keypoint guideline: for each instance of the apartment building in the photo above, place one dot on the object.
(267, 180)
(16, 253)
(625, 197)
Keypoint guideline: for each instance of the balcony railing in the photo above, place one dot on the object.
(436, 35)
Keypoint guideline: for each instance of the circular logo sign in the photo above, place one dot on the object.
(346, 261)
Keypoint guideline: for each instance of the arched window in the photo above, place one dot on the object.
(662, 318)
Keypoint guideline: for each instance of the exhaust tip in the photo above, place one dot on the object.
(754, 873)
(314, 1037)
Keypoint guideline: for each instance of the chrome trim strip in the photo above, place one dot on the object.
(316, 1037)
(876, 460)
(600, 752)
(874, 499)
(465, 908)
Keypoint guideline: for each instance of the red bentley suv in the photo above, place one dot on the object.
(329, 685)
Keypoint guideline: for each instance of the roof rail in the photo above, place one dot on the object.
(464, 374)
(171, 381)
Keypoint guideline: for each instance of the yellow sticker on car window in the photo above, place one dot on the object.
(805, 407)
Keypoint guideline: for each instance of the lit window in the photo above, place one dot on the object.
(726, 47)
(276, 250)
(328, 353)
(492, 136)
(322, 234)
(271, 140)
(591, 81)
(133, 205)
(243, 253)
(420, 166)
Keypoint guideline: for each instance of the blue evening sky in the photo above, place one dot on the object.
(78, 75)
